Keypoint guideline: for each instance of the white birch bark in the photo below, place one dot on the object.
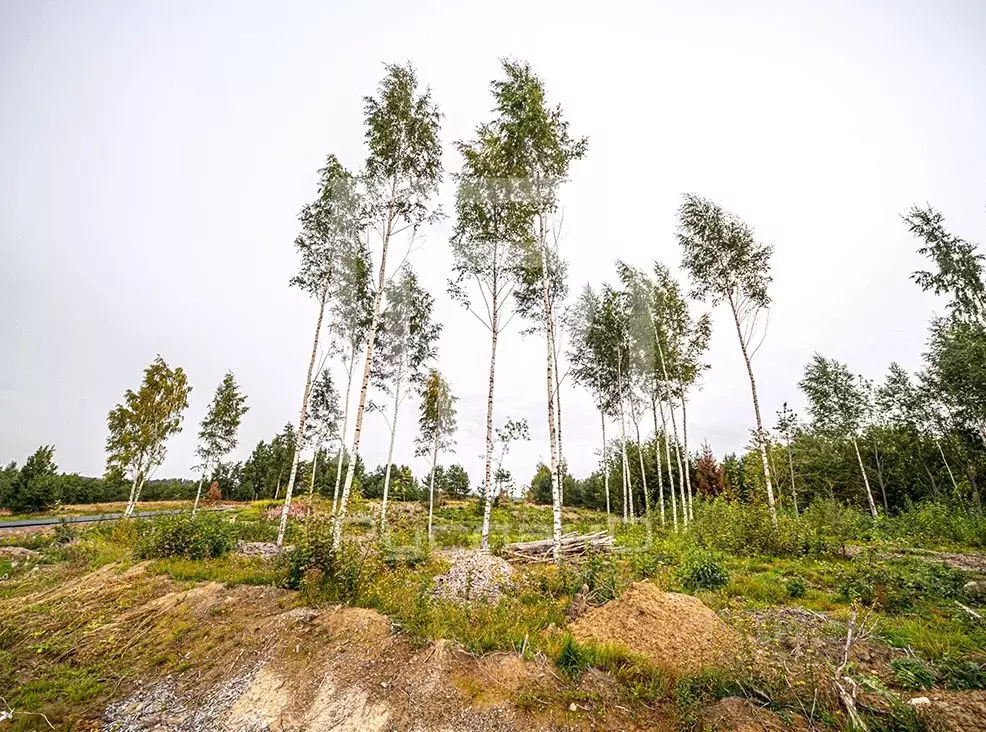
(431, 488)
(340, 517)
(342, 435)
(487, 483)
(549, 328)
(602, 419)
(198, 494)
(866, 481)
(390, 451)
(761, 434)
(657, 459)
(302, 417)
(667, 454)
(684, 445)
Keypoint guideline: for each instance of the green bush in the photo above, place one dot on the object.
(896, 585)
(702, 570)
(795, 587)
(912, 674)
(935, 524)
(336, 575)
(184, 535)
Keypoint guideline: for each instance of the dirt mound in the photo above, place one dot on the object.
(733, 714)
(474, 575)
(675, 632)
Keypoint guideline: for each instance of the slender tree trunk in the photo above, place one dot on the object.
(342, 436)
(487, 484)
(761, 435)
(561, 461)
(431, 488)
(674, 427)
(643, 477)
(955, 486)
(549, 323)
(300, 434)
(367, 369)
(311, 486)
(131, 502)
(879, 477)
(198, 494)
(684, 444)
(627, 481)
(602, 420)
(667, 454)
(657, 459)
(790, 462)
(866, 481)
(390, 453)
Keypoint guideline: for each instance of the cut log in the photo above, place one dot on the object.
(572, 545)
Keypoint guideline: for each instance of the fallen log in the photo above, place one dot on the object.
(572, 545)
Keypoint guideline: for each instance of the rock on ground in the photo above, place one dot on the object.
(474, 575)
(265, 549)
(677, 633)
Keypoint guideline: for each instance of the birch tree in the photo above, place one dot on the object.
(436, 426)
(140, 426)
(401, 178)
(787, 422)
(408, 341)
(837, 405)
(536, 150)
(328, 226)
(217, 435)
(324, 417)
(726, 264)
(351, 308)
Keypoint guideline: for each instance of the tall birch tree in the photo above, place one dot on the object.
(408, 341)
(328, 225)
(141, 425)
(436, 426)
(787, 423)
(838, 406)
(217, 435)
(324, 417)
(401, 178)
(727, 264)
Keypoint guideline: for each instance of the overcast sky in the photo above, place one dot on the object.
(155, 156)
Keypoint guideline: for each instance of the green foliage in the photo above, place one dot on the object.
(35, 487)
(450, 537)
(201, 536)
(795, 588)
(897, 585)
(701, 569)
(912, 674)
(338, 575)
(573, 659)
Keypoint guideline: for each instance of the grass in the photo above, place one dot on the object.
(944, 642)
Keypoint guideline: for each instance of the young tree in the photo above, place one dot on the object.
(838, 405)
(352, 299)
(488, 247)
(536, 149)
(787, 424)
(217, 435)
(328, 226)
(142, 424)
(401, 176)
(709, 475)
(727, 264)
(324, 416)
(437, 425)
(408, 340)
(34, 488)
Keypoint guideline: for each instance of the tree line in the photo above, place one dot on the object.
(637, 344)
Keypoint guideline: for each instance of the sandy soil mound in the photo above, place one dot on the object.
(733, 714)
(675, 632)
(474, 575)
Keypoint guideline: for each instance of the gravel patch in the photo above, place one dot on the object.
(474, 575)
(265, 549)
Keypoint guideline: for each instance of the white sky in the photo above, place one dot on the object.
(155, 155)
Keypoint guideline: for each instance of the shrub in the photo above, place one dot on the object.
(702, 569)
(342, 575)
(64, 533)
(451, 538)
(184, 535)
(497, 544)
(912, 674)
(935, 524)
(895, 586)
(795, 587)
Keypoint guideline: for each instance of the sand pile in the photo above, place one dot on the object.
(474, 575)
(675, 632)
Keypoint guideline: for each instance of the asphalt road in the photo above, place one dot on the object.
(48, 521)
